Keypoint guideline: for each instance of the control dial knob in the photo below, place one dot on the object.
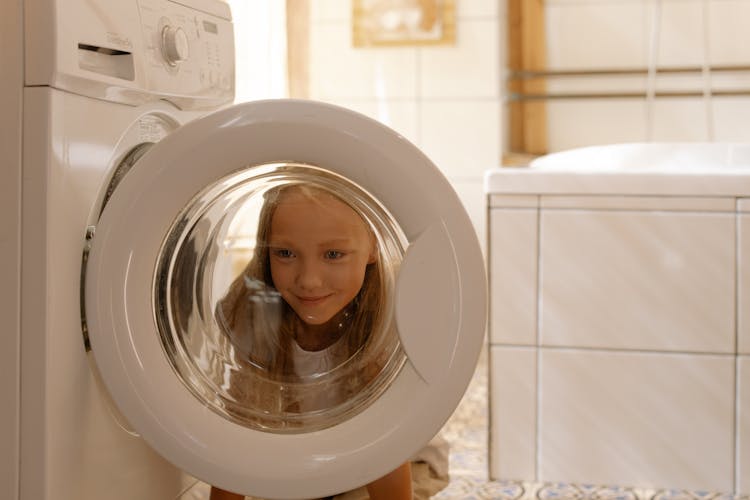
(174, 45)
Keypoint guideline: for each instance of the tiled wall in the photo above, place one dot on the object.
(605, 34)
(448, 99)
(445, 99)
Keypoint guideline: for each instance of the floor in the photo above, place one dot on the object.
(467, 432)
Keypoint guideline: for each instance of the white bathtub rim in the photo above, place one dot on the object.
(648, 156)
(672, 169)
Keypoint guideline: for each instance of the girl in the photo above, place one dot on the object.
(309, 322)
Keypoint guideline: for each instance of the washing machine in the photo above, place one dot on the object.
(142, 200)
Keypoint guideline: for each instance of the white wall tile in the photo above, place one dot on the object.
(512, 413)
(461, 136)
(400, 115)
(743, 425)
(592, 34)
(596, 34)
(637, 419)
(637, 280)
(330, 10)
(730, 80)
(731, 119)
(575, 123)
(513, 271)
(337, 70)
(468, 69)
(477, 8)
(688, 82)
(681, 40)
(729, 40)
(681, 119)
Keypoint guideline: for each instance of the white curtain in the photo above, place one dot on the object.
(260, 49)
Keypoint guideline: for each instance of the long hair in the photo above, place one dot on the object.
(261, 326)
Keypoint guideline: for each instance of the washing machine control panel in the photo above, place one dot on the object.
(189, 53)
(133, 51)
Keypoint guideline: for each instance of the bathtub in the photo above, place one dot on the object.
(620, 317)
(633, 169)
(649, 157)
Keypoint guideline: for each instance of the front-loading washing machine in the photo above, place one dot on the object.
(142, 221)
(102, 80)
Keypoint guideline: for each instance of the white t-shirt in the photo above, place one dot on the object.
(307, 363)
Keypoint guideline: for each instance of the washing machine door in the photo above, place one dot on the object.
(285, 298)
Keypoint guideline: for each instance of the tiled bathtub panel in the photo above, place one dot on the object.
(743, 289)
(637, 280)
(513, 413)
(743, 425)
(513, 271)
(638, 419)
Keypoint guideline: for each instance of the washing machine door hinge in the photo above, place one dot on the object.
(90, 231)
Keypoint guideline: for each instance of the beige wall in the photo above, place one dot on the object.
(448, 99)
(629, 34)
(445, 99)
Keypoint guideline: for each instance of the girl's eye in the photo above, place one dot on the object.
(283, 253)
(333, 254)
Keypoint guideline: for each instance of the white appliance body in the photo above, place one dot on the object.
(11, 92)
(95, 87)
(102, 78)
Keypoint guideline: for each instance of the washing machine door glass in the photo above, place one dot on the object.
(274, 297)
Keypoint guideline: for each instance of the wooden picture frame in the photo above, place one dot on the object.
(389, 23)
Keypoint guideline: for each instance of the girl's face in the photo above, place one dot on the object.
(319, 248)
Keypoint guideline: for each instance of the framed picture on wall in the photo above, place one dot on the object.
(403, 22)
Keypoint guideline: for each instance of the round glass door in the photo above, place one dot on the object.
(274, 298)
(285, 286)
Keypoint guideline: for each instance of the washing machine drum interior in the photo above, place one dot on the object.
(276, 298)
(285, 298)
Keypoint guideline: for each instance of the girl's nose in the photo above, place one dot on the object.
(309, 275)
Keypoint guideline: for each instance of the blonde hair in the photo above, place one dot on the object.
(261, 325)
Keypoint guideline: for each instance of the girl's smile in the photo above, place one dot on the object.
(312, 300)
